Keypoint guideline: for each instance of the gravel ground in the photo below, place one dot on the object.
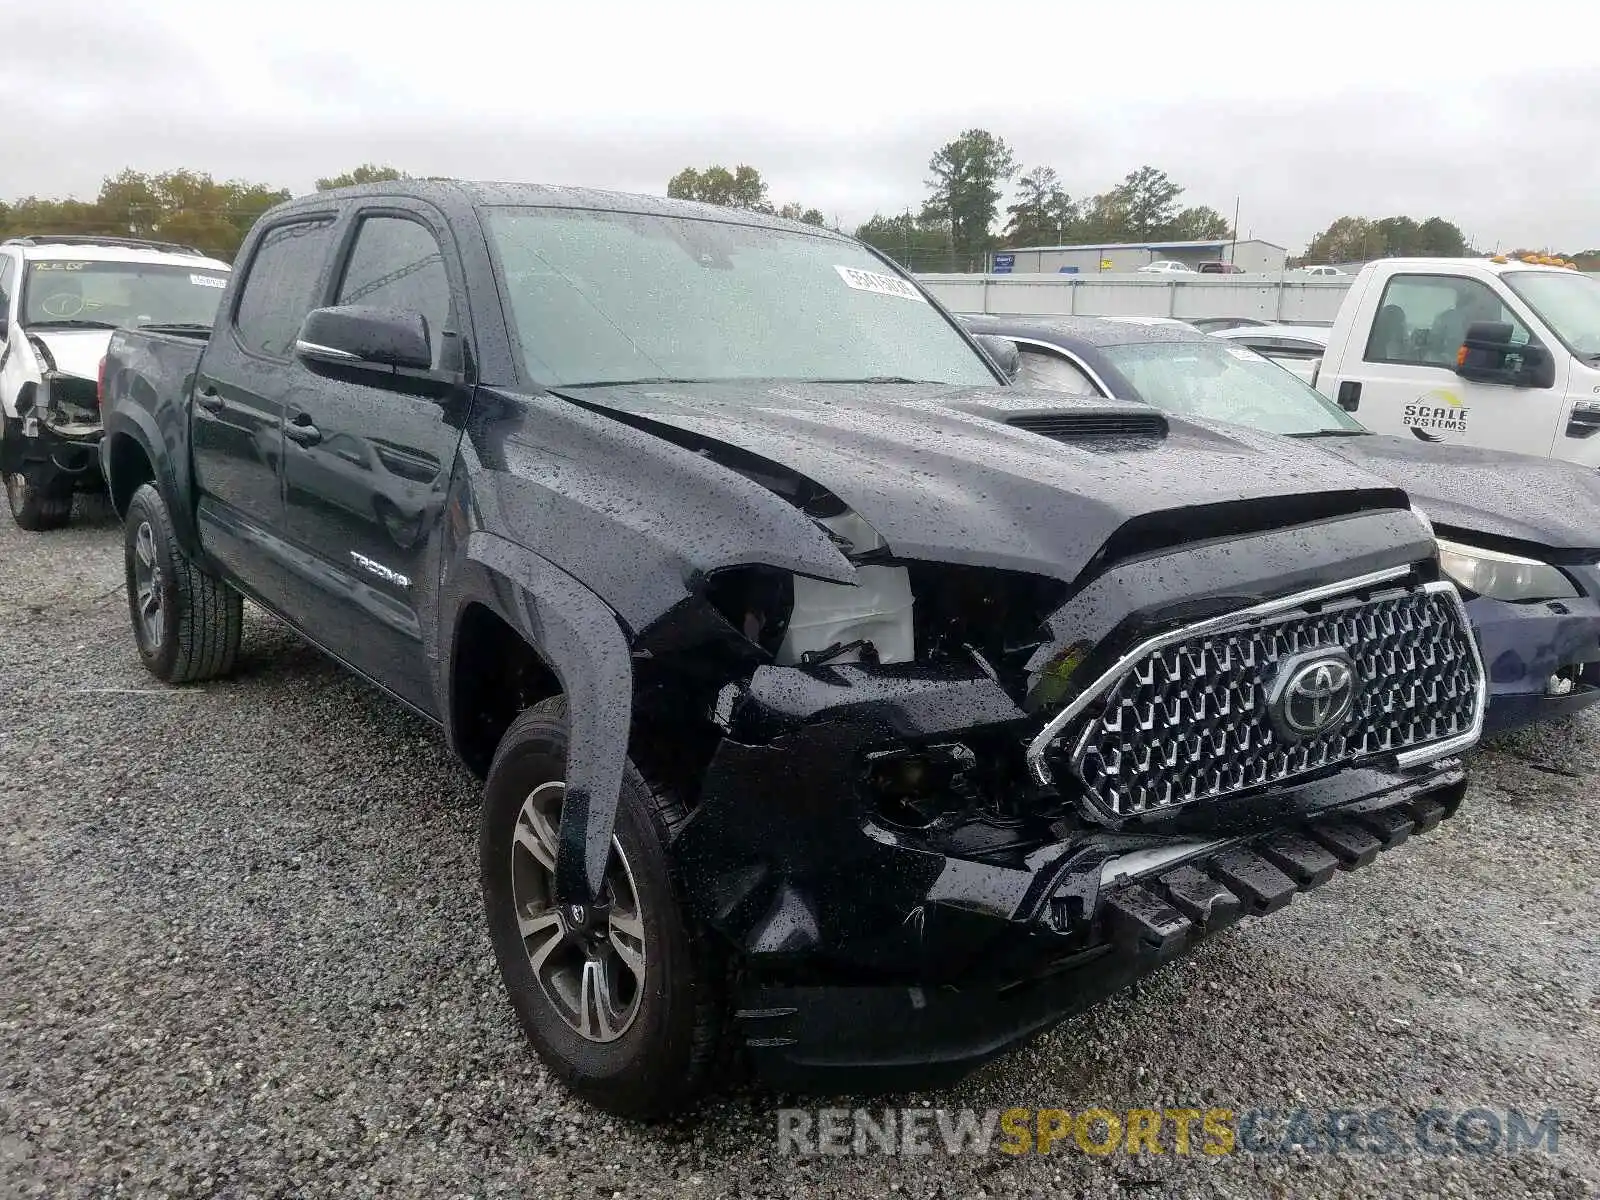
(241, 955)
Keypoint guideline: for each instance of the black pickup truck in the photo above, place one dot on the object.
(839, 704)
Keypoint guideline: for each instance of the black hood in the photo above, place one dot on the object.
(1517, 497)
(941, 476)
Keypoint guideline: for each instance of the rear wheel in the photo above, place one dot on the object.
(186, 621)
(622, 1001)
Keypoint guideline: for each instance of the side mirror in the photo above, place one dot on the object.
(1003, 351)
(1488, 355)
(356, 335)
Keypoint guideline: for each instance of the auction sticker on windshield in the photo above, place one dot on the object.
(883, 285)
(211, 281)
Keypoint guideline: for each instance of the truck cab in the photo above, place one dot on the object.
(1499, 353)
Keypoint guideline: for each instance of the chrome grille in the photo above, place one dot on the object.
(1187, 720)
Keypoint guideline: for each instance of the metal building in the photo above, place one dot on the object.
(1249, 255)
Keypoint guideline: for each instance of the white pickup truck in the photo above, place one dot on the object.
(1490, 352)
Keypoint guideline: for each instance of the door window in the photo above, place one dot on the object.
(279, 286)
(1423, 319)
(396, 264)
(1041, 369)
(8, 271)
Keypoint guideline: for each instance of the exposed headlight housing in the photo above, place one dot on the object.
(1502, 576)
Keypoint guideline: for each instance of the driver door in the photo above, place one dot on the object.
(1409, 383)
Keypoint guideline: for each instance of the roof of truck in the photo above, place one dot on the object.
(450, 193)
(43, 249)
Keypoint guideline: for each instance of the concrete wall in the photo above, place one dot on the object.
(1278, 297)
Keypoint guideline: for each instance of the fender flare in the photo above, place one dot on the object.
(582, 640)
(139, 424)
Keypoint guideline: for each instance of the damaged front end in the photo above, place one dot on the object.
(936, 813)
(58, 418)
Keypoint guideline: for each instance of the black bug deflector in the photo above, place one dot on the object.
(1114, 914)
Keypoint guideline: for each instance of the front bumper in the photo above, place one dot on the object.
(868, 958)
(1528, 647)
(1151, 908)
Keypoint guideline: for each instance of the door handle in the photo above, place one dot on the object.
(301, 431)
(208, 399)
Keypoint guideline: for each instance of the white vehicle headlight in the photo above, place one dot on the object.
(1502, 576)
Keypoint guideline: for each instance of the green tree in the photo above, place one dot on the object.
(741, 187)
(1199, 224)
(809, 216)
(1043, 213)
(914, 244)
(365, 173)
(968, 175)
(1148, 202)
(1349, 239)
(1402, 237)
(1441, 239)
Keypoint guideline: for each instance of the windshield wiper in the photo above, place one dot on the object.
(66, 324)
(874, 379)
(598, 383)
(1320, 433)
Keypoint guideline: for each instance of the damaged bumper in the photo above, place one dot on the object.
(875, 953)
(59, 421)
(1542, 658)
(1145, 907)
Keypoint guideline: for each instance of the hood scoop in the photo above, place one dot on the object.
(1120, 427)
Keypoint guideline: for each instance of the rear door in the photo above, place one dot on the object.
(1406, 369)
(368, 459)
(245, 373)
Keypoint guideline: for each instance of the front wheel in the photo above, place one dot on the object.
(186, 621)
(622, 1001)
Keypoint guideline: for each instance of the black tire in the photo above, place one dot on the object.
(200, 616)
(665, 1057)
(38, 509)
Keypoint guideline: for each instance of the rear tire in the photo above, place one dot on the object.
(655, 1051)
(186, 621)
(37, 509)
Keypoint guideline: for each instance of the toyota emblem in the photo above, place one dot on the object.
(1313, 694)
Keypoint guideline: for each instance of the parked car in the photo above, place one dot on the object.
(1166, 266)
(60, 296)
(839, 705)
(1296, 348)
(1220, 268)
(1486, 352)
(1212, 324)
(1323, 270)
(1520, 535)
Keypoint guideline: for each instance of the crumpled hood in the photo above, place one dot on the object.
(75, 351)
(937, 472)
(1545, 501)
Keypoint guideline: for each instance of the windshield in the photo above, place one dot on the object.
(1217, 382)
(1567, 302)
(608, 297)
(68, 292)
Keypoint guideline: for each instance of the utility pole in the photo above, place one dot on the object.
(1233, 248)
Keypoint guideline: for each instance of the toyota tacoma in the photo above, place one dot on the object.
(843, 710)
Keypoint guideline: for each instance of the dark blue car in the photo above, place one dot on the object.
(1519, 535)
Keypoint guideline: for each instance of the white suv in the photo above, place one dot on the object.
(60, 298)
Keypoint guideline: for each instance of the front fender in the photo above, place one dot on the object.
(582, 641)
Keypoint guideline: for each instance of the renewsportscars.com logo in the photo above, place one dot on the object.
(1209, 1132)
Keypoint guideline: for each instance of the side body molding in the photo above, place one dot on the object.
(582, 641)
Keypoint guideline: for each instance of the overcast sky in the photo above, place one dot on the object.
(1304, 111)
